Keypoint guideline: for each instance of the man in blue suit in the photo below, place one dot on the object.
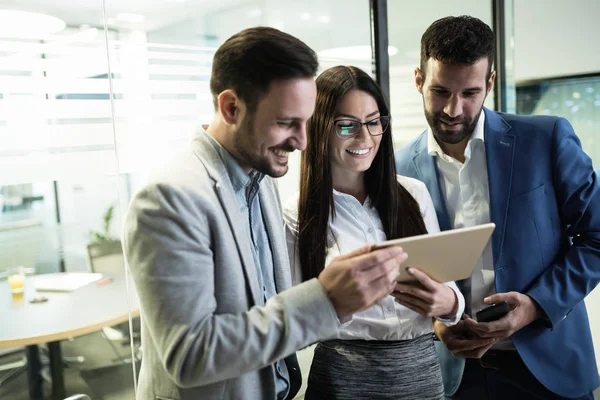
(531, 178)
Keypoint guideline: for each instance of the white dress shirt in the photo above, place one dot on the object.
(355, 225)
(466, 192)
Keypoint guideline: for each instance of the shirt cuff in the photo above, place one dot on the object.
(453, 320)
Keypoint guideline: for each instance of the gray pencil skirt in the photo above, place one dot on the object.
(359, 369)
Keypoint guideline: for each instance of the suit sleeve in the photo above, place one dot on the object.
(576, 272)
(168, 246)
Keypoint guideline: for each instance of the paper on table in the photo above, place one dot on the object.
(64, 281)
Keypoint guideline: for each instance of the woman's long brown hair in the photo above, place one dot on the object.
(398, 210)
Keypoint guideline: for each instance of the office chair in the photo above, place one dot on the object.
(107, 258)
(14, 368)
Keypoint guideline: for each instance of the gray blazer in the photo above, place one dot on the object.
(206, 331)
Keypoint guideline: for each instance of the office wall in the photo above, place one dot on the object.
(555, 38)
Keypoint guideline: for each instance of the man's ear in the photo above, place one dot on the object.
(419, 80)
(490, 82)
(229, 107)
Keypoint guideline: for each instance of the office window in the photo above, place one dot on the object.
(576, 99)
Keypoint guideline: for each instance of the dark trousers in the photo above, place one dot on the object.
(502, 375)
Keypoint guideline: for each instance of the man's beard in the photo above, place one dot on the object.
(451, 137)
(246, 146)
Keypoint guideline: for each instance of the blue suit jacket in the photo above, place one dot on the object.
(545, 202)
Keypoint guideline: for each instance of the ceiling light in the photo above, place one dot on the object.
(305, 16)
(257, 12)
(25, 24)
(323, 18)
(353, 52)
(128, 17)
(84, 35)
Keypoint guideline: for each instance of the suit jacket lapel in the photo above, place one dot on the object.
(500, 149)
(426, 171)
(224, 190)
(274, 225)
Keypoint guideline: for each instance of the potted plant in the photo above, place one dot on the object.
(103, 243)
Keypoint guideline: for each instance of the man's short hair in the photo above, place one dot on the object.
(462, 40)
(250, 60)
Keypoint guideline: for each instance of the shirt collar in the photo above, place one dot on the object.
(240, 180)
(337, 195)
(434, 149)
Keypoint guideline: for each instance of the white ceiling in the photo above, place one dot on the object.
(323, 24)
(157, 13)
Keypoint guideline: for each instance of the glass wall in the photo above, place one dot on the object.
(406, 25)
(92, 96)
(61, 202)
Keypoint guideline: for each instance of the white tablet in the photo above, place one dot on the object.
(445, 256)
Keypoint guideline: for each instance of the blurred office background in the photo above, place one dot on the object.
(94, 93)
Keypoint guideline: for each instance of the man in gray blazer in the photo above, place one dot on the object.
(205, 243)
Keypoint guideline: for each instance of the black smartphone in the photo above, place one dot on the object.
(493, 312)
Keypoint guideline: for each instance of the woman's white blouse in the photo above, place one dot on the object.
(355, 225)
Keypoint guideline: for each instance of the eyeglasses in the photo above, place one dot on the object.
(349, 128)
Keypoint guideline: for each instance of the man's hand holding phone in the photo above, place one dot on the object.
(522, 311)
(461, 341)
(493, 312)
(471, 338)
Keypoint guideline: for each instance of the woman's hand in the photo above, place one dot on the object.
(426, 296)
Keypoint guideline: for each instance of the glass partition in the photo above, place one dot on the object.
(92, 96)
(61, 199)
(164, 71)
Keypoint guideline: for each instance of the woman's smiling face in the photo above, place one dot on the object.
(354, 154)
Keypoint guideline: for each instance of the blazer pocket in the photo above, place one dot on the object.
(162, 398)
(529, 237)
(529, 195)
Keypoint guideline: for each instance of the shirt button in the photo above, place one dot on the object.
(370, 230)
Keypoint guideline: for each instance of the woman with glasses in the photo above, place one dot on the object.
(350, 196)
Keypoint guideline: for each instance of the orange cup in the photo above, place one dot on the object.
(16, 280)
